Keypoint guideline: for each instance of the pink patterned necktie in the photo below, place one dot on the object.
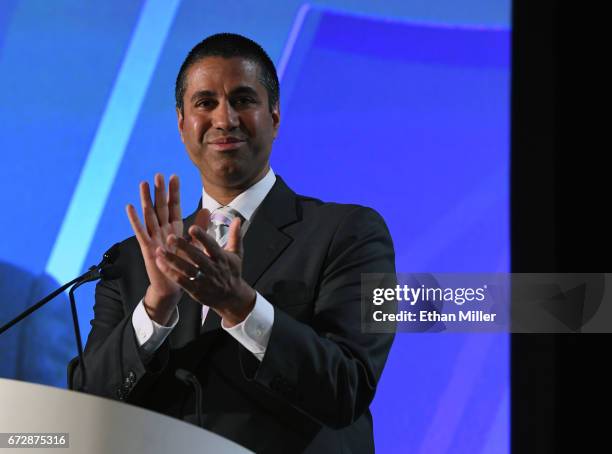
(220, 221)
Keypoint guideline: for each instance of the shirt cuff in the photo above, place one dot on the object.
(150, 335)
(254, 331)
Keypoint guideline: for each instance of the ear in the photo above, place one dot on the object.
(276, 118)
(180, 120)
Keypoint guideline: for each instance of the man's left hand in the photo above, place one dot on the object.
(212, 275)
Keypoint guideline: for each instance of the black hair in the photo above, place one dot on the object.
(228, 45)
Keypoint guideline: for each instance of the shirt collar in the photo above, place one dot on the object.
(248, 201)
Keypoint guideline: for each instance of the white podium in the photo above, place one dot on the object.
(96, 425)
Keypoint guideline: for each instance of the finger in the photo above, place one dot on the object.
(174, 275)
(209, 243)
(177, 263)
(174, 200)
(161, 202)
(150, 218)
(194, 255)
(202, 219)
(141, 233)
(234, 238)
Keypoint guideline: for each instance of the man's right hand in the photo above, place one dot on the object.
(162, 219)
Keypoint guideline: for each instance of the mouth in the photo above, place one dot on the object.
(226, 143)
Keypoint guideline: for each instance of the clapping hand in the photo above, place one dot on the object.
(210, 274)
(161, 219)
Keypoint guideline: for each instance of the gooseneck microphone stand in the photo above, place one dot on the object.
(104, 270)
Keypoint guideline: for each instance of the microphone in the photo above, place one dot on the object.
(106, 273)
(110, 256)
(190, 379)
(104, 270)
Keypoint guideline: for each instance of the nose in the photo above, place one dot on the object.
(225, 117)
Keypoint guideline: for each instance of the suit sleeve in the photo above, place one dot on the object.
(329, 369)
(114, 363)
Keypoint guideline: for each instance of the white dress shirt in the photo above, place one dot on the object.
(254, 331)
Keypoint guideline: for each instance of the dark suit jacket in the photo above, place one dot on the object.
(312, 391)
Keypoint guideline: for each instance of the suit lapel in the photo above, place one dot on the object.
(212, 322)
(264, 240)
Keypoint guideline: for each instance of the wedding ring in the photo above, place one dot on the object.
(198, 275)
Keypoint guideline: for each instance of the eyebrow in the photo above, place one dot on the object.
(244, 90)
(241, 90)
(203, 94)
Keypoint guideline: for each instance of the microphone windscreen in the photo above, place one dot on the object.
(112, 254)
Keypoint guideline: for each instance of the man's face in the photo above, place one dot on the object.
(226, 124)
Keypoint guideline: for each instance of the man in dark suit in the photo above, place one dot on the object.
(257, 292)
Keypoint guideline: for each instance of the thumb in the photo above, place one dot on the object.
(234, 239)
(202, 219)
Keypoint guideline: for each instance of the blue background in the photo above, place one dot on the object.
(402, 106)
